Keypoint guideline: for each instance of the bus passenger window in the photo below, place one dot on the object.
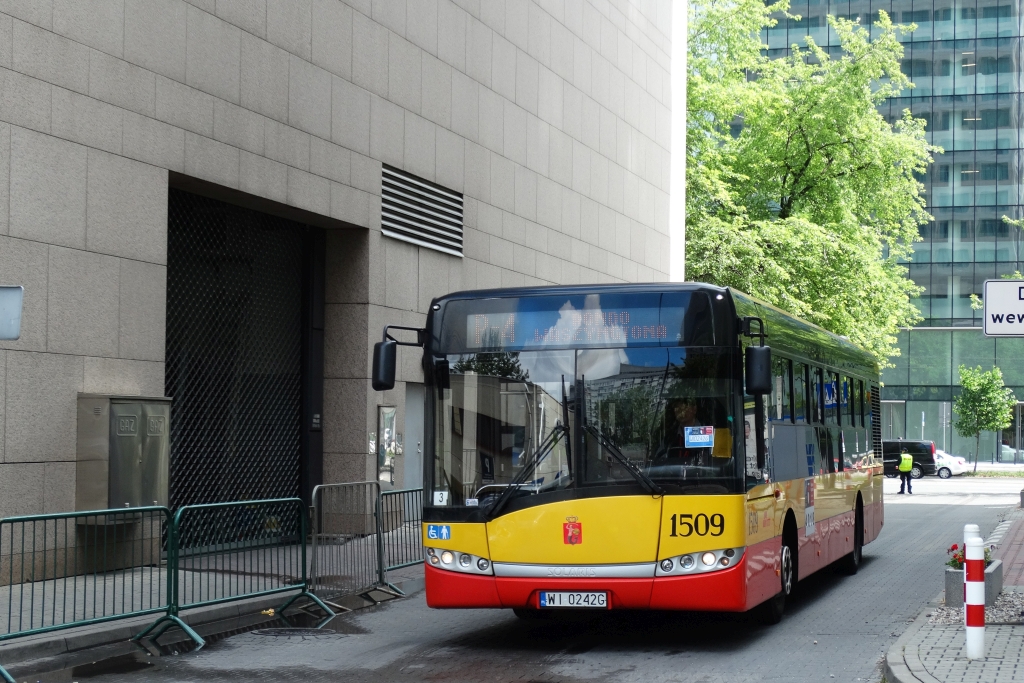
(817, 396)
(830, 397)
(848, 401)
(780, 407)
(858, 401)
(800, 402)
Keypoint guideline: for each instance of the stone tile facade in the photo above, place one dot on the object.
(551, 116)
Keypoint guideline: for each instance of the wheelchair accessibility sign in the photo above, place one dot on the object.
(439, 532)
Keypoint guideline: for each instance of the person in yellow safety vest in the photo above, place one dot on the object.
(905, 466)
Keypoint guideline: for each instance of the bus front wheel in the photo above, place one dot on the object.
(772, 611)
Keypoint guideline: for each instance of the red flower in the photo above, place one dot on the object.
(954, 547)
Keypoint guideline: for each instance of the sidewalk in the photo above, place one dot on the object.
(934, 653)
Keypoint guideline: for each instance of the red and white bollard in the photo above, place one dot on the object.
(970, 531)
(974, 597)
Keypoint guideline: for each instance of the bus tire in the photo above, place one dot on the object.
(775, 607)
(851, 562)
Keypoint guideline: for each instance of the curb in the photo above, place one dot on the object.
(906, 667)
(48, 645)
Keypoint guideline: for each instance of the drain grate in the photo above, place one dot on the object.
(294, 632)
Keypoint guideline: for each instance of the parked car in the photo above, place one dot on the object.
(947, 465)
(1008, 453)
(923, 453)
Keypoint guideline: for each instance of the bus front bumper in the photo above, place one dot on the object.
(724, 590)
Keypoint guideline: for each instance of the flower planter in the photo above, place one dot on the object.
(955, 584)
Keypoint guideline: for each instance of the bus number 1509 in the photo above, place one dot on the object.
(701, 524)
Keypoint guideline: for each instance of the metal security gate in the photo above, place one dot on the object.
(234, 351)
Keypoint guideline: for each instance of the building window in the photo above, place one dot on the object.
(995, 171)
(997, 12)
(993, 118)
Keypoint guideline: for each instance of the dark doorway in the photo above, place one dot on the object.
(239, 293)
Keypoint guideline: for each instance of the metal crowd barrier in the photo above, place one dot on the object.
(229, 551)
(401, 528)
(360, 534)
(346, 542)
(71, 569)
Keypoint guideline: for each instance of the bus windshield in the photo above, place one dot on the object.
(545, 421)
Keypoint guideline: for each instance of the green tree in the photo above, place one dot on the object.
(502, 364)
(798, 190)
(984, 405)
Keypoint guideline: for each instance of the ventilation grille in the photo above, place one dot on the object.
(418, 211)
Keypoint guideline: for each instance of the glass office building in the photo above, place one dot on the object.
(965, 62)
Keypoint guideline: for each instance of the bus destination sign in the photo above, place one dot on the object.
(525, 329)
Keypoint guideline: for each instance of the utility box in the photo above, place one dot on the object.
(123, 451)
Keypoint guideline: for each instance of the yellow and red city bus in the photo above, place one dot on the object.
(665, 446)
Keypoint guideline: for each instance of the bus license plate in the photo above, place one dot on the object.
(597, 599)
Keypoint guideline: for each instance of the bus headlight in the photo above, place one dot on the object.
(457, 561)
(699, 563)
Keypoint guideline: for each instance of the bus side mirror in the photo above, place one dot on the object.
(384, 353)
(758, 370)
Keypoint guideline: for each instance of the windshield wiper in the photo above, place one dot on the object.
(545, 447)
(637, 473)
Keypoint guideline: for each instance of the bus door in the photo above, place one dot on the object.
(837, 417)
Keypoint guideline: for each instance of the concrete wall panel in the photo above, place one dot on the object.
(47, 189)
(41, 405)
(82, 303)
(124, 377)
(552, 118)
(154, 36)
(142, 305)
(127, 208)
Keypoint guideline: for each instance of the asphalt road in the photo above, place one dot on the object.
(837, 627)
